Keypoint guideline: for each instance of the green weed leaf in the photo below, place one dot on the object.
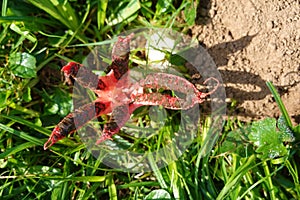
(58, 103)
(236, 142)
(267, 139)
(190, 13)
(287, 134)
(124, 14)
(158, 194)
(163, 7)
(23, 65)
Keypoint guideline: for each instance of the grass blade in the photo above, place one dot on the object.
(62, 12)
(156, 171)
(4, 8)
(236, 176)
(16, 149)
(22, 135)
(111, 187)
(101, 13)
(78, 178)
(35, 20)
(280, 104)
(28, 123)
(23, 109)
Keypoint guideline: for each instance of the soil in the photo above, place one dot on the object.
(251, 42)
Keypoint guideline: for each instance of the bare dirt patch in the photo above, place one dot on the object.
(254, 41)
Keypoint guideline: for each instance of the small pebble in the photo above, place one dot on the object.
(272, 46)
(212, 13)
(270, 24)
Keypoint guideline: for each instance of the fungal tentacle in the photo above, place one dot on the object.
(118, 97)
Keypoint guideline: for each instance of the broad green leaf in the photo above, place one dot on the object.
(190, 13)
(267, 139)
(163, 7)
(176, 59)
(58, 103)
(287, 134)
(124, 14)
(23, 65)
(158, 194)
(235, 142)
(51, 108)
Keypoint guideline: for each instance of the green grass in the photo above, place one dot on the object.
(248, 161)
